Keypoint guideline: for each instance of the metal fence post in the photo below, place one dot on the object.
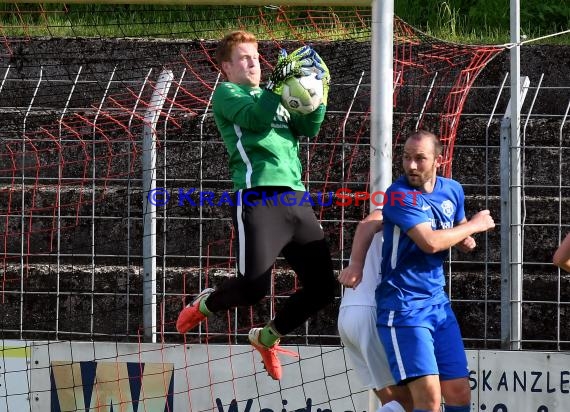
(149, 207)
(511, 230)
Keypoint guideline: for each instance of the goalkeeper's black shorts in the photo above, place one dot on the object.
(270, 220)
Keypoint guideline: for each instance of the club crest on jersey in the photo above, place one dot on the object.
(447, 207)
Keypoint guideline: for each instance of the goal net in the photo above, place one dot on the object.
(76, 84)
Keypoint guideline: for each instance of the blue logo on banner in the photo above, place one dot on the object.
(90, 386)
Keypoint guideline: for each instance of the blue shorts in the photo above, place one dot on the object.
(424, 341)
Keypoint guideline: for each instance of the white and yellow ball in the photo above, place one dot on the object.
(302, 94)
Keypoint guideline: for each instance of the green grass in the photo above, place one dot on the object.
(486, 21)
(462, 21)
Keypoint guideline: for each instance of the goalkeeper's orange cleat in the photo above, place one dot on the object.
(191, 316)
(269, 354)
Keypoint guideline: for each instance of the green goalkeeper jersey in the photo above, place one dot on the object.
(261, 136)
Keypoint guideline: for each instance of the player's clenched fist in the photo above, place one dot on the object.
(483, 221)
(351, 276)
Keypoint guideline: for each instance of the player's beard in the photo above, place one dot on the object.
(417, 180)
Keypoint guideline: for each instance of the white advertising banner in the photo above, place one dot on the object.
(521, 381)
(14, 376)
(70, 376)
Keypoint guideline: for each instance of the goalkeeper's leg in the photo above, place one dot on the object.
(312, 264)
(262, 230)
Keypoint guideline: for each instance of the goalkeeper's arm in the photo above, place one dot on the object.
(308, 124)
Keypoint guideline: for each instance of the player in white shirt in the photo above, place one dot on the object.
(357, 317)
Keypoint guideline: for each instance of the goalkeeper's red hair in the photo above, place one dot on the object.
(227, 44)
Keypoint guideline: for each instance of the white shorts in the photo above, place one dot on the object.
(359, 334)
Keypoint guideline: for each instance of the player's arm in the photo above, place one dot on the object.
(561, 257)
(235, 105)
(351, 276)
(433, 241)
(467, 244)
(308, 124)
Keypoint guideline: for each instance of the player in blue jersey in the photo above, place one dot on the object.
(419, 330)
(357, 317)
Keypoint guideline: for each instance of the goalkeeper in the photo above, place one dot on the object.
(262, 140)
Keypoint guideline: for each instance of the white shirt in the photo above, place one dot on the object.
(365, 292)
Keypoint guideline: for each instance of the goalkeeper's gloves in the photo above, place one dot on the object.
(302, 53)
(322, 74)
(299, 63)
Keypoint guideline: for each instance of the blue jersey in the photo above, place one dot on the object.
(411, 278)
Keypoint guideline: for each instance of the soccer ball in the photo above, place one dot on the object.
(302, 94)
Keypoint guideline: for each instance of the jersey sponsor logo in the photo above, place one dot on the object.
(437, 224)
(281, 118)
(446, 225)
